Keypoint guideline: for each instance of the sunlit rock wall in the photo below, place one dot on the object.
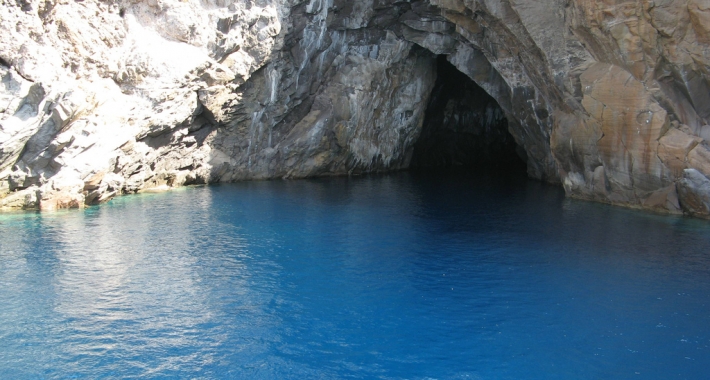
(609, 98)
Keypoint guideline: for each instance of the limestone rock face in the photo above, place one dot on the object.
(611, 99)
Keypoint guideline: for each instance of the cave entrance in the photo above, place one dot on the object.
(465, 128)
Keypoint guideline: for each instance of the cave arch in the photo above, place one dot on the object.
(464, 127)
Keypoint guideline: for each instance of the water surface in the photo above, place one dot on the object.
(394, 277)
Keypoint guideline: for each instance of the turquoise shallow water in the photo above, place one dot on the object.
(394, 277)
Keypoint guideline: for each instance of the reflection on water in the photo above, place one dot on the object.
(399, 276)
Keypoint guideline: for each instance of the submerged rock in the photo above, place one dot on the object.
(610, 99)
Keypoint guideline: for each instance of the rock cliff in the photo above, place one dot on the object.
(611, 99)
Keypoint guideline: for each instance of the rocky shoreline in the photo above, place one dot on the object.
(102, 98)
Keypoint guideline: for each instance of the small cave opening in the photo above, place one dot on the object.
(465, 129)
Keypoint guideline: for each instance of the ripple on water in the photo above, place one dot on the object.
(398, 276)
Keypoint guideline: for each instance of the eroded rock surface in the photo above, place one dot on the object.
(99, 98)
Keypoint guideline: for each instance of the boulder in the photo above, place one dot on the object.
(694, 193)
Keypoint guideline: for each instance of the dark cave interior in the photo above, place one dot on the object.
(464, 128)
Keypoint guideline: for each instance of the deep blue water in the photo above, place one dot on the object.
(392, 277)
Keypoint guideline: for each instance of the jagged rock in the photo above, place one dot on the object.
(109, 186)
(673, 150)
(27, 199)
(57, 200)
(699, 158)
(694, 192)
(610, 99)
(664, 200)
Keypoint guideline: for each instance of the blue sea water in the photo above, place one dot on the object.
(399, 276)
